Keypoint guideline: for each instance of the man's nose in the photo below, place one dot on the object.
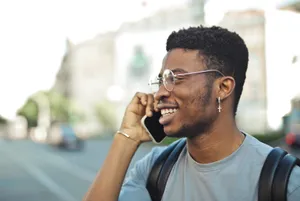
(161, 93)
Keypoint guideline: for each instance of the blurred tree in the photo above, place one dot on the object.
(59, 106)
(30, 111)
(61, 109)
(106, 113)
(3, 120)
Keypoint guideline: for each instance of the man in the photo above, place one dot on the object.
(199, 88)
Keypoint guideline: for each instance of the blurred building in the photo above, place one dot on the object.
(63, 81)
(282, 49)
(250, 25)
(293, 5)
(85, 75)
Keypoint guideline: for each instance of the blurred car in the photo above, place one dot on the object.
(292, 139)
(64, 136)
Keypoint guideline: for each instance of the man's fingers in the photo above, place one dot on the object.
(155, 105)
(146, 100)
(150, 106)
(140, 98)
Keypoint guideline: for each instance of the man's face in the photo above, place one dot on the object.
(191, 105)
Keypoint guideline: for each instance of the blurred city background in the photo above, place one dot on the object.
(69, 68)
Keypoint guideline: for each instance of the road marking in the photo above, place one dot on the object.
(65, 165)
(42, 177)
(49, 183)
(69, 167)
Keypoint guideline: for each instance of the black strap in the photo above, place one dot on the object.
(283, 172)
(272, 184)
(161, 170)
(268, 173)
(167, 168)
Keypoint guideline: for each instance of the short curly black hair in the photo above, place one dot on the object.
(220, 48)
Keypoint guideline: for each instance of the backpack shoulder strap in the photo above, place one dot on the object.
(282, 175)
(161, 169)
(268, 173)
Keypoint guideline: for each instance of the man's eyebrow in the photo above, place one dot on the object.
(176, 70)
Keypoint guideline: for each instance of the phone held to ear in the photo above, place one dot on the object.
(154, 128)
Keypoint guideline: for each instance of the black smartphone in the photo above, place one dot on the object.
(154, 128)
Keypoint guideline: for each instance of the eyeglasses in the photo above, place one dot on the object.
(168, 78)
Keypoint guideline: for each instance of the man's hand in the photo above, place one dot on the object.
(108, 182)
(142, 104)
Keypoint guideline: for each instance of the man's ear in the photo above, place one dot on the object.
(226, 86)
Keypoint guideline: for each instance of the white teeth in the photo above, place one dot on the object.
(168, 111)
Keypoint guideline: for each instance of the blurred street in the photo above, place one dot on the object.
(35, 172)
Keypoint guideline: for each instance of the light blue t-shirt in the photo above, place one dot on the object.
(234, 178)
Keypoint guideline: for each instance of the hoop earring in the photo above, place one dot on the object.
(219, 104)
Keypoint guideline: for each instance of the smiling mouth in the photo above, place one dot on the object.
(165, 112)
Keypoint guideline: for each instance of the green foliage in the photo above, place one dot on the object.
(169, 140)
(30, 112)
(269, 137)
(61, 108)
(265, 138)
(3, 120)
(106, 113)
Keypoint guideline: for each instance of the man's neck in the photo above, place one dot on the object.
(216, 144)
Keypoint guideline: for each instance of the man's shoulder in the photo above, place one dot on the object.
(148, 161)
(257, 149)
(261, 151)
(156, 152)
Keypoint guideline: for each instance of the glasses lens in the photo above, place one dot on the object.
(169, 79)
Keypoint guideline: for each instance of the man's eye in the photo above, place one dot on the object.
(160, 81)
(179, 78)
